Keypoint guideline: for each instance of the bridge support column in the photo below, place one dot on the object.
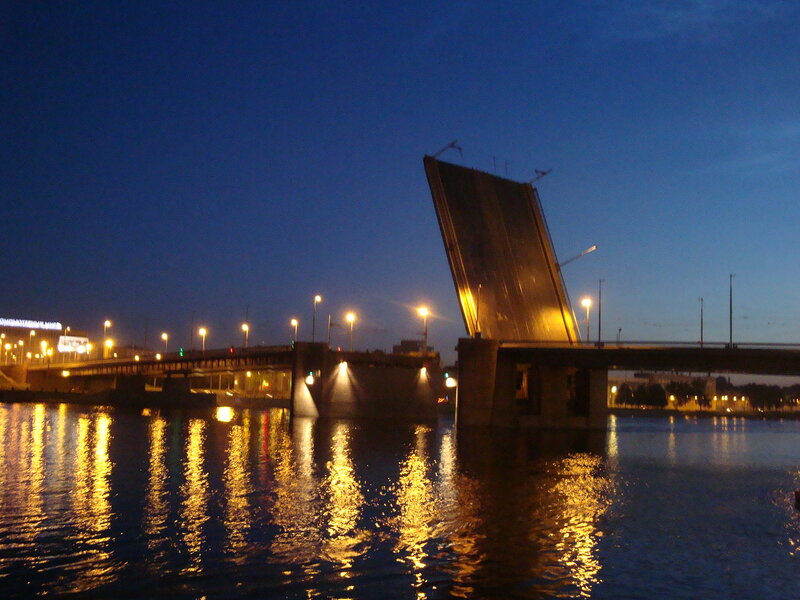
(307, 399)
(477, 369)
(177, 385)
(499, 388)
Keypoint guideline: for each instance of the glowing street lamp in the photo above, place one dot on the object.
(350, 318)
(317, 300)
(423, 312)
(106, 325)
(587, 304)
(109, 344)
(165, 337)
(294, 323)
(203, 333)
(246, 330)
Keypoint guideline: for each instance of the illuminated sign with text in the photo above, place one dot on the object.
(72, 343)
(30, 324)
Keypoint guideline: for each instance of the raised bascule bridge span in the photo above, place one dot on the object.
(524, 363)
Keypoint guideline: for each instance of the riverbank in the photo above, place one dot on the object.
(671, 412)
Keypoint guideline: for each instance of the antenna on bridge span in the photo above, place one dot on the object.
(539, 175)
(454, 145)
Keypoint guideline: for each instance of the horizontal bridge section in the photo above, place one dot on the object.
(751, 360)
(210, 361)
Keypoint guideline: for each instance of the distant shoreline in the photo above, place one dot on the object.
(671, 412)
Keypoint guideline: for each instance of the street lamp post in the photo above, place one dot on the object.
(600, 313)
(317, 300)
(701, 321)
(246, 331)
(351, 318)
(106, 325)
(294, 323)
(423, 312)
(203, 333)
(730, 309)
(165, 337)
(587, 304)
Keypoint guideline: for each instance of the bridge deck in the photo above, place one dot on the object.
(709, 359)
(214, 361)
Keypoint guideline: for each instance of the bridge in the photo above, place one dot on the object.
(523, 362)
(309, 378)
(751, 358)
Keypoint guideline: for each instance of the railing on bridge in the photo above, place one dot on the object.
(650, 344)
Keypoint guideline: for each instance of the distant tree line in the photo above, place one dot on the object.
(646, 395)
(655, 395)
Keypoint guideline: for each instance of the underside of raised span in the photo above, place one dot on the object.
(504, 267)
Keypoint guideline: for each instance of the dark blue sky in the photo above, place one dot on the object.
(159, 160)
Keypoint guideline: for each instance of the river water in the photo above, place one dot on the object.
(109, 503)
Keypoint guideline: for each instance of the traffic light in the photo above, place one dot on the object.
(180, 351)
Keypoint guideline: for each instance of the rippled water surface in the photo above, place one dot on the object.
(102, 503)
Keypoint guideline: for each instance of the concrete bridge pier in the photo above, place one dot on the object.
(357, 385)
(180, 385)
(508, 389)
(310, 358)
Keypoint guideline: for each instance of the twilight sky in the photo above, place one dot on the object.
(159, 160)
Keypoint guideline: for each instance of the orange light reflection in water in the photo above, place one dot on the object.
(297, 506)
(157, 500)
(194, 492)
(238, 487)
(417, 510)
(344, 504)
(91, 504)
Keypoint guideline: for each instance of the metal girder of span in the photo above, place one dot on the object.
(504, 267)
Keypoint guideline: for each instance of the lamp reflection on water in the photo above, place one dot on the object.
(417, 509)
(34, 514)
(4, 442)
(91, 502)
(157, 503)
(238, 488)
(581, 497)
(344, 503)
(295, 505)
(194, 505)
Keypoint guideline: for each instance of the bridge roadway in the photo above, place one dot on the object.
(214, 361)
(757, 359)
(762, 359)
